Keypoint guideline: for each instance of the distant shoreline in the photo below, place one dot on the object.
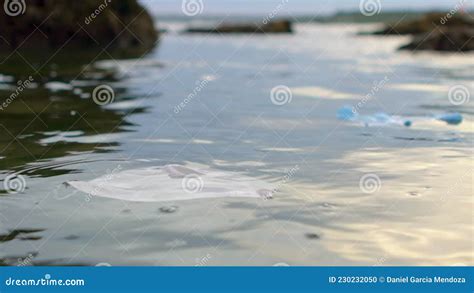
(353, 16)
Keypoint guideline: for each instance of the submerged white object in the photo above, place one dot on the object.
(174, 182)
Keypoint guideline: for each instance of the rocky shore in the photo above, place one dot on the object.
(270, 27)
(452, 40)
(452, 31)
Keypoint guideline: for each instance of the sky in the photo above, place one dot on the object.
(315, 7)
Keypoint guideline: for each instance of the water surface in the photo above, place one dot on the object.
(206, 100)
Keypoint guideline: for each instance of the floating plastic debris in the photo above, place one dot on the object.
(450, 118)
(347, 113)
(173, 183)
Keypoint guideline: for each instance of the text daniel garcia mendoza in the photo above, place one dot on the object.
(425, 280)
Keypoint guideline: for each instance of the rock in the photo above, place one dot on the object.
(272, 27)
(447, 39)
(95, 24)
(452, 31)
(427, 24)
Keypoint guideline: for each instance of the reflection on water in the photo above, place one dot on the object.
(21, 234)
(414, 209)
(54, 116)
